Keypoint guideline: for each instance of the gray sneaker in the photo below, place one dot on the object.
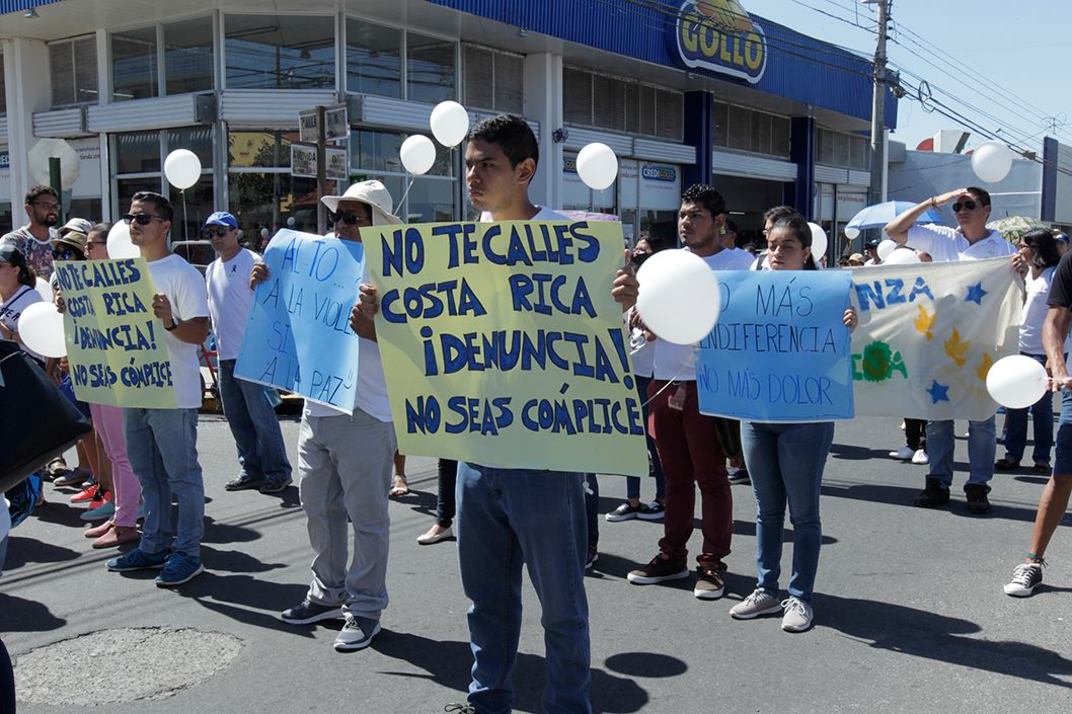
(356, 634)
(307, 612)
(1025, 578)
(798, 615)
(758, 603)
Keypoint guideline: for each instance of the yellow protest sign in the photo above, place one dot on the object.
(115, 345)
(502, 346)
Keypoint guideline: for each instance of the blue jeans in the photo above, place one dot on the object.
(507, 518)
(981, 449)
(162, 448)
(254, 425)
(632, 483)
(786, 463)
(591, 510)
(1016, 426)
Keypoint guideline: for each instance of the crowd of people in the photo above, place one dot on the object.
(137, 460)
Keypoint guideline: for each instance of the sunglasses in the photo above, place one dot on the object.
(968, 205)
(217, 232)
(142, 219)
(66, 254)
(347, 217)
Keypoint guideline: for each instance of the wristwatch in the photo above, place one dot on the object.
(173, 325)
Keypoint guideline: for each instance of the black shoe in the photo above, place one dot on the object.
(242, 483)
(933, 495)
(593, 556)
(978, 503)
(308, 612)
(275, 484)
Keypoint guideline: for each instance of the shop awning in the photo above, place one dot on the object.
(7, 6)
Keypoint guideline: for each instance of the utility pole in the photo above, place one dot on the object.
(878, 104)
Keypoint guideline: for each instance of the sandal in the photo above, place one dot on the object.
(1006, 464)
(400, 487)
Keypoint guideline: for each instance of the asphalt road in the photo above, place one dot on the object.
(910, 615)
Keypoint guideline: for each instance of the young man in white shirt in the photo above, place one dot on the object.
(34, 240)
(970, 240)
(345, 462)
(508, 518)
(162, 443)
(254, 425)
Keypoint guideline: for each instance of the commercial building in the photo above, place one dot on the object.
(683, 91)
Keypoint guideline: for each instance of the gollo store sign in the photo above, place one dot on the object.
(720, 36)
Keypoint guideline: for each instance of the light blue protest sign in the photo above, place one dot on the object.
(779, 351)
(298, 337)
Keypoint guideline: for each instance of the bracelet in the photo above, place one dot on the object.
(1034, 557)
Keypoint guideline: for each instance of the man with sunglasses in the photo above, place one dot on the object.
(345, 461)
(970, 240)
(262, 455)
(33, 240)
(162, 443)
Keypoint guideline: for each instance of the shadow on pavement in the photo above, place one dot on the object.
(447, 664)
(19, 615)
(21, 551)
(851, 452)
(220, 533)
(919, 633)
(905, 495)
(247, 600)
(60, 513)
(235, 561)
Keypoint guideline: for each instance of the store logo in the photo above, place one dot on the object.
(719, 36)
(569, 166)
(659, 173)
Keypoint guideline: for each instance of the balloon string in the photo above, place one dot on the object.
(185, 225)
(662, 388)
(405, 193)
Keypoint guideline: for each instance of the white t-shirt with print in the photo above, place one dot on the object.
(12, 310)
(229, 300)
(1034, 314)
(678, 362)
(945, 244)
(185, 289)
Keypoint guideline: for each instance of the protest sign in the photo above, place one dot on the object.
(779, 351)
(298, 337)
(929, 333)
(501, 344)
(115, 345)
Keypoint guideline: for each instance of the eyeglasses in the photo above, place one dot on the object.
(217, 232)
(142, 219)
(968, 205)
(50, 207)
(348, 217)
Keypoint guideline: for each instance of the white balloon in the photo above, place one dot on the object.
(597, 166)
(885, 248)
(43, 289)
(992, 161)
(119, 244)
(182, 168)
(902, 256)
(41, 329)
(418, 154)
(1016, 381)
(679, 297)
(449, 123)
(852, 232)
(818, 241)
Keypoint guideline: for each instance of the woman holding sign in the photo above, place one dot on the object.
(786, 462)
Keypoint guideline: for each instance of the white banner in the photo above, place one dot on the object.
(929, 333)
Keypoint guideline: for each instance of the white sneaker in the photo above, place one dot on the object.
(902, 454)
(759, 603)
(798, 615)
(920, 458)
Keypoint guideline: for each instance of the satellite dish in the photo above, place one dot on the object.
(70, 162)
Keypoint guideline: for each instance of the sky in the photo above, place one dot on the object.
(1022, 46)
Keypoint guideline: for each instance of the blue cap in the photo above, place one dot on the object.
(222, 218)
(1063, 237)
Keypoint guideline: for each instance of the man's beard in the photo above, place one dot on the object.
(49, 221)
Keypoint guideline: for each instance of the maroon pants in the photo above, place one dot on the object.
(690, 455)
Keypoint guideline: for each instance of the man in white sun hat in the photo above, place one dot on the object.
(344, 465)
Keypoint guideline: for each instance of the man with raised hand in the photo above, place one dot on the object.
(510, 517)
(970, 240)
(162, 443)
(254, 425)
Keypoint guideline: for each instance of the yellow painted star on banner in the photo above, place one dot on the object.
(984, 366)
(957, 349)
(925, 322)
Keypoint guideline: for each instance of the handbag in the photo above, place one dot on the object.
(37, 421)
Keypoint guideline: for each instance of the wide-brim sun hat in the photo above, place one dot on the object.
(374, 194)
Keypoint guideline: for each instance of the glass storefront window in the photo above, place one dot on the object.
(134, 64)
(188, 56)
(430, 69)
(137, 152)
(272, 200)
(197, 139)
(430, 200)
(373, 59)
(73, 71)
(280, 51)
(378, 151)
(260, 149)
(192, 207)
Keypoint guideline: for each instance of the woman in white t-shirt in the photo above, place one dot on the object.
(17, 281)
(1037, 259)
